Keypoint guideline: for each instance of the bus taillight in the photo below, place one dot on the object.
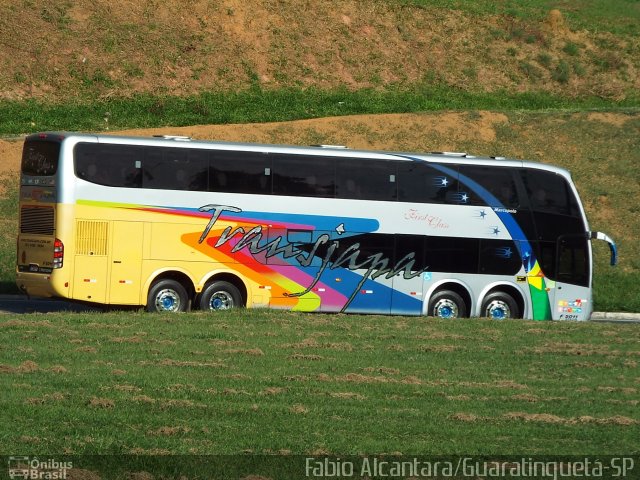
(58, 253)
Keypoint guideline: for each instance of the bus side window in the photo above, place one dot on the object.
(303, 175)
(110, 165)
(175, 169)
(411, 246)
(420, 183)
(549, 192)
(86, 164)
(120, 165)
(453, 254)
(495, 186)
(197, 170)
(239, 172)
(366, 179)
(554, 207)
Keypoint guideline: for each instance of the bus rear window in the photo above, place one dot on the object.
(40, 158)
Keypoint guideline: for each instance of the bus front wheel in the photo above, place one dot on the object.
(500, 306)
(447, 304)
(220, 295)
(167, 296)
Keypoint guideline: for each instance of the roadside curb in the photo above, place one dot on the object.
(615, 316)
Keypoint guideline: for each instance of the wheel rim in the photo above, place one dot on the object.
(168, 300)
(445, 308)
(221, 301)
(498, 310)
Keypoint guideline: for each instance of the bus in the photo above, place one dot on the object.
(172, 224)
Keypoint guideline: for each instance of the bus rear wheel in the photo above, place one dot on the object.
(220, 295)
(500, 306)
(447, 304)
(167, 296)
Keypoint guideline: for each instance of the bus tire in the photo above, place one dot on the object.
(167, 295)
(500, 306)
(447, 304)
(220, 295)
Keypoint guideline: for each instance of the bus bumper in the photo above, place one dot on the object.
(37, 284)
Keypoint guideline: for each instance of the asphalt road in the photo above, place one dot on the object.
(22, 304)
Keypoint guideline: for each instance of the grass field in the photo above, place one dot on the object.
(266, 382)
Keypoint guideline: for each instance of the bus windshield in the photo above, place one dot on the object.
(40, 158)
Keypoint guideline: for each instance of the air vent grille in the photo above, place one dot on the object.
(91, 237)
(37, 220)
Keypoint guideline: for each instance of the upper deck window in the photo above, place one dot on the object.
(549, 192)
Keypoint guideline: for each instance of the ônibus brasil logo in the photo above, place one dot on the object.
(23, 467)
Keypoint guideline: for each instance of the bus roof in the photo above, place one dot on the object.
(180, 141)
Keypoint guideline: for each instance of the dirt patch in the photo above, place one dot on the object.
(168, 362)
(438, 348)
(253, 352)
(92, 50)
(347, 395)
(359, 378)
(46, 398)
(299, 409)
(300, 356)
(464, 417)
(616, 119)
(10, 155)
(574, 349)
(58, 369)
(272, 391)
(134, 339)
(550, 418)
(96, 402)
(357, 131)
(506, 384)
(312, 343)
(28, 367)
(526, 397)
(535, 417)
(168, 431)
(127, 388)
(143, 399)
(82, 474)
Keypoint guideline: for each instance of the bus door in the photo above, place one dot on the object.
(126, 263)
(571, 297)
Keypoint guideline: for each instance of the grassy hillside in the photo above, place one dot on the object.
(86, 50)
